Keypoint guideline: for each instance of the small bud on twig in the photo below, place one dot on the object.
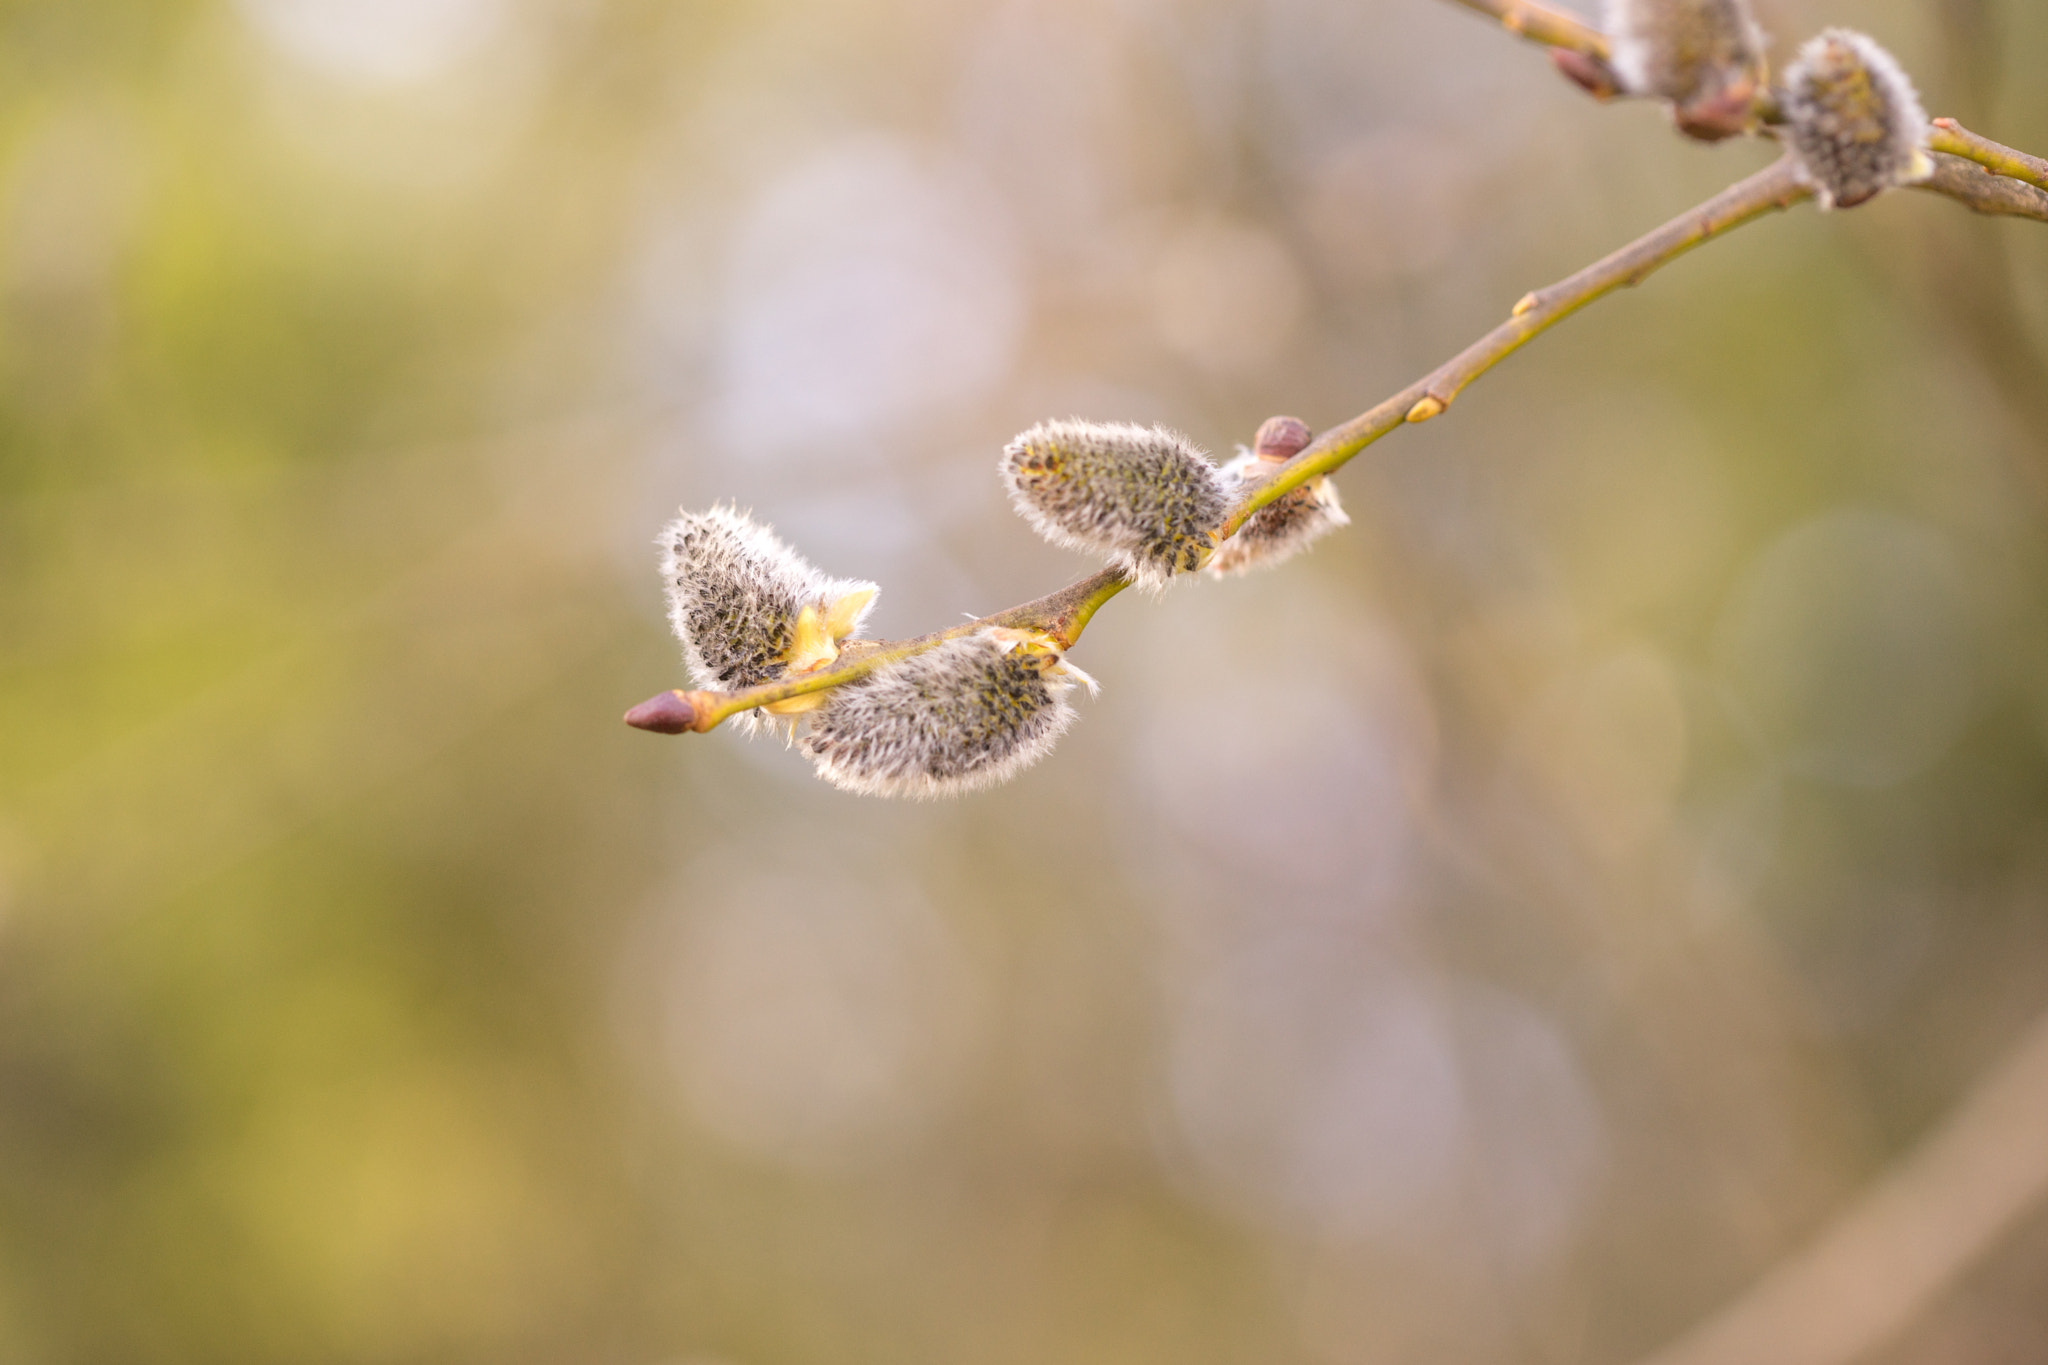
(1704, 56)
(971, 713)
(1281, 438)
(1588, 72)
(1144, 496)
(1290, 523)
(1853, 117)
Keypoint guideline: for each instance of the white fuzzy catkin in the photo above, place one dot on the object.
(1282, 528)
(1852, 115)
(735, 592)
(1145, 497)
(967, 714)
(1698, 54)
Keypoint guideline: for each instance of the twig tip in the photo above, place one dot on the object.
(668, 713)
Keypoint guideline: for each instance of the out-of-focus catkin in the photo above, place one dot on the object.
(970, 713)
(1290, 523)
(1853, 117)
(749, 609)
(1144, 497)
(1704, 56)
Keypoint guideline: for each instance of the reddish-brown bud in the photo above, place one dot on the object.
(1586, 71)
(1723, 114)
(1281, 438)
(669, 713)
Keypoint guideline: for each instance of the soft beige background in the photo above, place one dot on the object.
(1498, 937)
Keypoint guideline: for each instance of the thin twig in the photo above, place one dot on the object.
(1539, 23)
(1062, 615)
(1951, 137)
(1777, 186)
(1971, 184)
(1066, 613)
(1920, 1226)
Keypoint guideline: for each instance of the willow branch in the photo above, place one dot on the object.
(1893, 1252)
(2003, 181)
(1972, 185)
(1951, 137)
(1540, 23)
(1065, 614)
(1560, 31)
(1777, 186)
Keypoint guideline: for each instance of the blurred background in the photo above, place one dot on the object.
(1501, 936)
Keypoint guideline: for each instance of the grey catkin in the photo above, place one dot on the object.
(1144, 497)
(1705, 56)
(970, 713)
(1854, 119)
(735, 593)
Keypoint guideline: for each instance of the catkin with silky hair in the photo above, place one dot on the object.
(743, 603)
(1144, 497)
(1854, 119)
(1706, 57)
(970, 713)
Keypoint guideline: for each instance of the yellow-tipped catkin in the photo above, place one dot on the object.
(749, 609)
(1704, 56)
(1854, 119)
(1282, 528)
(1144, 497)
(970, 713)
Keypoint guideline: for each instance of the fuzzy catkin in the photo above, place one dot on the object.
(1144, 496)
(1705, 56)
(1854, 119)
(967, 714)
(1282, 528)
(735, 592)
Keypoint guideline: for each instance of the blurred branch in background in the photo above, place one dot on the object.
(1541, 23)
(1972, 184)
(1951, 137)
(1883, 1262)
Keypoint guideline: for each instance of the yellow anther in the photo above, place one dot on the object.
(813, 645)
(796, 706)
(845, 613)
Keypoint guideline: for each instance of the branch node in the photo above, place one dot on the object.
(1429, 407)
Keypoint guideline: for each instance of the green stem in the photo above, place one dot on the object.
(1062, 615)
(1539, 23)
(1951, 137)
(1777, 186)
